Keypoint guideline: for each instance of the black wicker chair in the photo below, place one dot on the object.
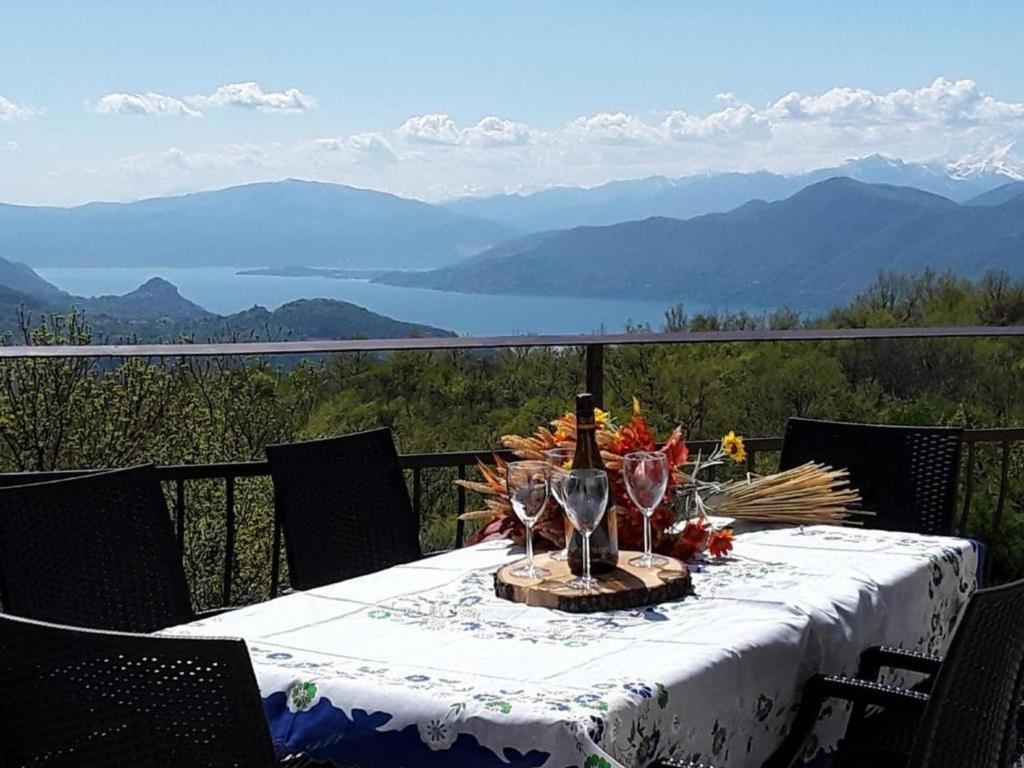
(343, 507)
(907, 476)
(80, 698)
(94, 551)
(964, 717)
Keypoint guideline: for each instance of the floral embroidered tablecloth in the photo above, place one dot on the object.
(421, 665)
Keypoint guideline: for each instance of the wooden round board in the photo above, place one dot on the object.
(626, 587)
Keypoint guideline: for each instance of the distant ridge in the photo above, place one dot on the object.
(278, 224)
(999, 195)
(23, 279)
(817, 247)
(689, 196)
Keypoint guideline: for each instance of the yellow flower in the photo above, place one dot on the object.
(601, 417)
(732, 444)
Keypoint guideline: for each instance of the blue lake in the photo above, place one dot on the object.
(223, 291)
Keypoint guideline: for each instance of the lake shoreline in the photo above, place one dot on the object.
(222, 291)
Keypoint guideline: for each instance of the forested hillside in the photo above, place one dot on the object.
(814, 249)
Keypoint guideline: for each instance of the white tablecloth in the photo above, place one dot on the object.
(421, 665)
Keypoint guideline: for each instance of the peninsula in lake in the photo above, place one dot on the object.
(336, 274)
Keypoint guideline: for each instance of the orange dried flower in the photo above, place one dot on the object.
(675, 449)
(720, 543)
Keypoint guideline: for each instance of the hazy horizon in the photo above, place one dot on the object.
(1011, 173)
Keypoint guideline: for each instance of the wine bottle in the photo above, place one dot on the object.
(604, 542)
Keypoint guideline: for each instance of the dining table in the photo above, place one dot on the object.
(422, 665)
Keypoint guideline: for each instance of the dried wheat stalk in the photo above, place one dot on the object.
(806, 495)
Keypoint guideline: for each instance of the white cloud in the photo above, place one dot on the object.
(372, 145)
(251, 96)
(11, 111)
(441, 130)
(9, 146)
(435, 129)
(143, 104)
(852, 117)
(944, 102)
(494, 131)
(432, 155)
(612, 128)
(247, 95)
(735, 122)
(798, 131)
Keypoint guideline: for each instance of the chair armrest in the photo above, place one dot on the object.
(873, 659)
(822, 687)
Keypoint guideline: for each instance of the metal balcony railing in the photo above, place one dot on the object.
(177, 476)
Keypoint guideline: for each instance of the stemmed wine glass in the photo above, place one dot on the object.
(645, 474)
(528, 487)
(560, 461)
(585, 492)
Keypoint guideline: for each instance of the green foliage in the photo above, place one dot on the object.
(58, 413)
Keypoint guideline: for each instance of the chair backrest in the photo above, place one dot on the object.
(343, 507)
(94, 551)
(907, 476)
(971, 718)
(78, 698)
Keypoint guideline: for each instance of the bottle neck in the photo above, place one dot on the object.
(587, 453)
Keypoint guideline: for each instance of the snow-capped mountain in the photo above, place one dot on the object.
(1001, 161)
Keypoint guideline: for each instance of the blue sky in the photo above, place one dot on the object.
(104, 100)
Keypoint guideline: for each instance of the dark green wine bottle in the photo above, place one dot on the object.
(604, 541)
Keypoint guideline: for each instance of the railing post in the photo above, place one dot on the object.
(997, 520)
(595, 373)
(275, 558)
(179, 513)
(460, 524)
(968, 490)
(229, 537)
(417, 494)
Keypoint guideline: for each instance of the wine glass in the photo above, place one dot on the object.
(560, 461)
(645, 474)
(585, 492)
(528, 487)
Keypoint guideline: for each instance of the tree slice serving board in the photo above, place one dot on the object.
(626, 587)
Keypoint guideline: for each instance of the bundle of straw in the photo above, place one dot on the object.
(810, 494)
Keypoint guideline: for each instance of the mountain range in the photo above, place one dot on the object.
(816, 247)
(311, 224)
(689, 196)
(156, 311)
(758, 239)
(286, 223)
